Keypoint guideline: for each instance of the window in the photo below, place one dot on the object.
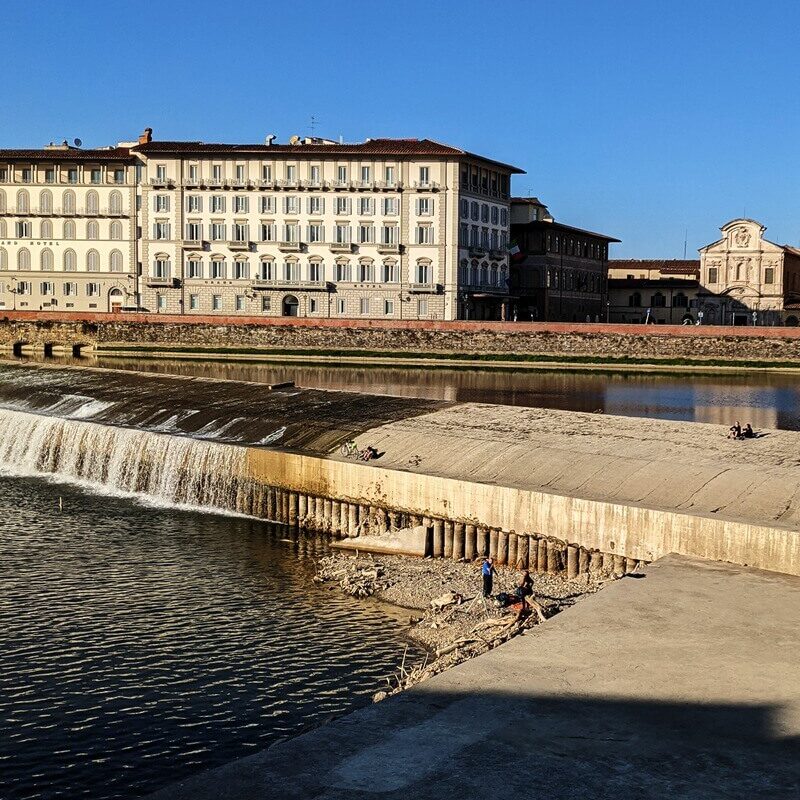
(72, 175)
(312, 304)
(342, 205)
(316, 272)
(422, 273)
(194, 302)
(365, 272)
(316, 232)
(93, 290)
(161, 230)
(390, 234)
(47, 229)
(115, 202)
(363, 306)
(241, 204)
(194, 268)
(424, 206)
(291, 204)
(316, 205)
(217, 231)
(341, 306)
(422, 307)
(680, 300)
(291, 232)
(266, 303)
(24, 229)
(92, 230)
(391, 272)
(192, 173)
(217, 204)
(389, 174)
(291, 271)
(119, 176)
(218, 269)
(241, 232)
(70, 261)
(46, 260)
(49, 175)
(769, 275)
(241, 270)
(713, 275)
(267, 231)
(239, 304)
(216, 172)
(266, 172)
(342, 234)
(70, 289)
(194, 231)
(267, 204)
(23, 202)
(240, 172)
(365, 174)
(161, 172)
(291, 172)
(161, 302)
(424, 234)
(24, 287)
(115, 261)
(366, 205)
(46, 201)
(343, 272)
(46, 288)
(193, 204)
(388, 307)
(464, 209)
(216, 302)
(390, 206)
(68, 202)
(315, 175)
(267, 270)
(484, 212)
(161, 268)
(366, 234)
(474, 211)
(658, 300)
(26, 174)
(424, 175)
(161, 203)
(341, 174)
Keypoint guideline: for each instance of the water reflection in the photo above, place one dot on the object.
(139, 645)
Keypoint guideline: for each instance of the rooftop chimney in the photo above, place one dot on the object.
(146, 136)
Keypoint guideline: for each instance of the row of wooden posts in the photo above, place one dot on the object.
(447, 539)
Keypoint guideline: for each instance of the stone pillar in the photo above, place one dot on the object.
(271, 502)
(293, 506)
(415, 521)
(502, 548)
(336, 518)
(572, 561)
(619, 566)
(448, 538)
(364, 520)
(438, 538)
(352, 519)
(344, 513)
(596, 562)
(458, 541)
(470, 541)
(394, 520)
(552, 558)
(630, 565)
(512, 550)
(302, 509)
(523, 542)
(327, 514)
(583, 560)
(608, 562)
(494, 537)
(482, 543)
(541, 556)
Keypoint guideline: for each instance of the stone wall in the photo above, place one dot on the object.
(413, 337)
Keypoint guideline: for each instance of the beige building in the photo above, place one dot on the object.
(745, 278)
(385, 228)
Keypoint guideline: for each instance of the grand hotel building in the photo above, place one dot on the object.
(386, 228)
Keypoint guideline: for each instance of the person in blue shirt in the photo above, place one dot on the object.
(488, 571)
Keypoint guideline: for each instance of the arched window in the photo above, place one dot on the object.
(218, 269)
(635, 300)
(484, 274)
(70, 261)
(115, 202)
(115, 231)
(93, 261)
(658, 300)
(92, 202)
(3, 258)
(422, 272)
(494, 275)
(46, 260)
(68, 202)
(194, 267)
(47, 229)
(2, 200)
(69, 229)
(503, 276)
(680, 300)
(115, 261)
(23, 259)
(23, 201)
(93, 230)
(474, 274)
(46, 201)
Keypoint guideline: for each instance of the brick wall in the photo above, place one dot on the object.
(565, 339)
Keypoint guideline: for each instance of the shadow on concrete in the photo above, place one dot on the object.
(429, 745)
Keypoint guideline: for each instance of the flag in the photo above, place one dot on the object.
(515, 253)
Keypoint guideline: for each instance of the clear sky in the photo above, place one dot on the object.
(639, 118)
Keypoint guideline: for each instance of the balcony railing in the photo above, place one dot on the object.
(425, 288)
(341, 247)
(290, 283)
(237, 244)
(290, 247)
(161, 281)
(429, 185)
(497, 253)
(383, 247)
(157, 181)
(193, 244)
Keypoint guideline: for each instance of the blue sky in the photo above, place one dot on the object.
(640, 118)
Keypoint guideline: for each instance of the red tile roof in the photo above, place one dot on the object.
(70, 154)
(669, 266)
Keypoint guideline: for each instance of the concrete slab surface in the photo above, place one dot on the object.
(684, 683)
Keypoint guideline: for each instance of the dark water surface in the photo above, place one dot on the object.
(141, 644)
(767, 400)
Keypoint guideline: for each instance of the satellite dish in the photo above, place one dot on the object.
(77, 142)
(294, 140)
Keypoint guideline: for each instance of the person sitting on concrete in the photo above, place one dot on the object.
(488, 572)
(735, 431)
(748, 432)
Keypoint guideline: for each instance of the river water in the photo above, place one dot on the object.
(766, 400)
(140, 644)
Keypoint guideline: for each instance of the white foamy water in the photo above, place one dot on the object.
(165, 470)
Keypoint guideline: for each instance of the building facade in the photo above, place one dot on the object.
(560, 271)
(747, 279)
(386, 228)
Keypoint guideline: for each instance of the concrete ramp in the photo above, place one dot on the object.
(683, 684)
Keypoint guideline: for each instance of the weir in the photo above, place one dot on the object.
(481, 479)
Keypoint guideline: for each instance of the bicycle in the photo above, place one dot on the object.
(350, 449)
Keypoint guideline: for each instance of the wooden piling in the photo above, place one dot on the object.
(572, 561)
(630, 565)
(552, 558)
(596, 562)
(583, 560)
(619, 566)
(523, 544)
(271, 502)
(352, 519)
(438, 538)
(494, 540)
(512, 550)
(394, 520)
(470, 541)
(448, 538)
(541, 555)
(482, 544)
(302, 509)
(608, 562)
(458, 541)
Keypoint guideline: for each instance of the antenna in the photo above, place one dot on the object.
(77, 142)
(685, 240)
(313, 124)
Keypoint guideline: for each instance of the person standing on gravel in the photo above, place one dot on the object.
(488, 571)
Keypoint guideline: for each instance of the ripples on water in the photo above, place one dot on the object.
(139, 645)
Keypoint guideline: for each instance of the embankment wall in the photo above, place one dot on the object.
(404, 337)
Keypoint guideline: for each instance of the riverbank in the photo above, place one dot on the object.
(451, 621)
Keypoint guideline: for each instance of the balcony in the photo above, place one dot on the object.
(497, 254)
(430, 186)
(193, 244)
(390, 186)
(162, 182)
(290, 247)
(341, 247)
(289, 183)
(340, 184)
(477, 252)
(288, 283)
(154, 281)
(363, 184)
(387, 249)
(237, 244)
(424, 288)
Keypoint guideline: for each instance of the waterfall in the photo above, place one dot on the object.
(164, 469)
